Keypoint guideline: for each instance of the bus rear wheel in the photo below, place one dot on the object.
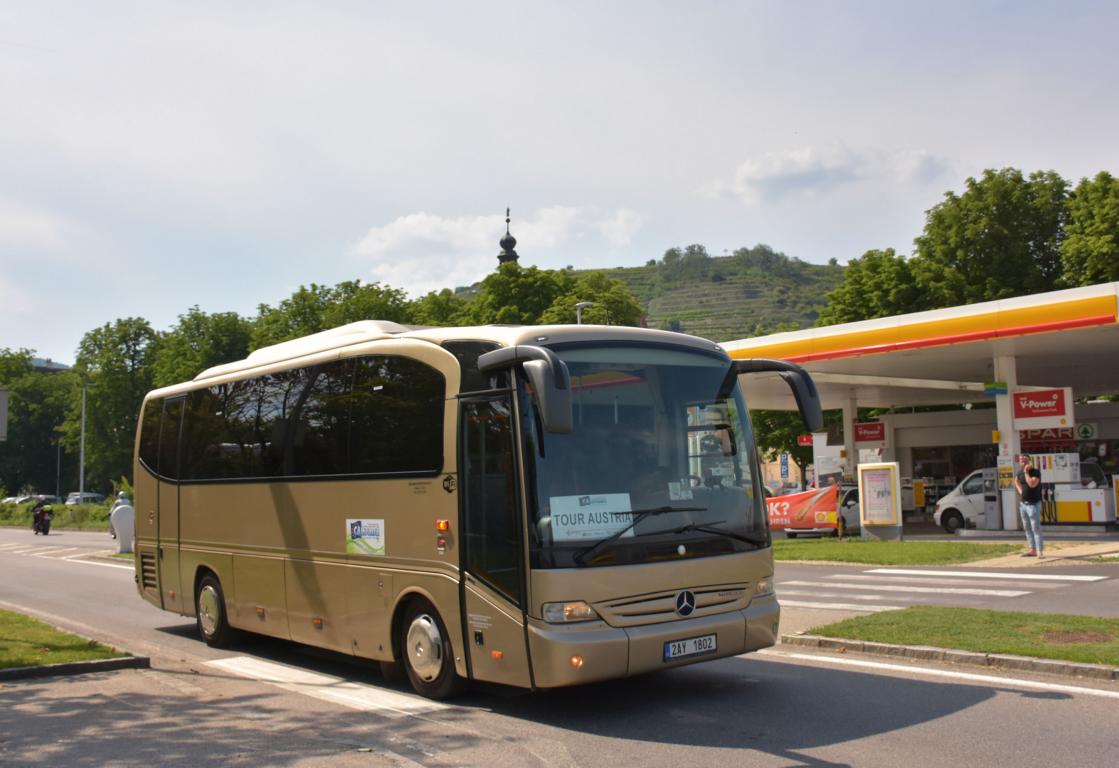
(425, 650)
(209, 604)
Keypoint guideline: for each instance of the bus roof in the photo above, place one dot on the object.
(365, 331)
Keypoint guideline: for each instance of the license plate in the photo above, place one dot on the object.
(692, 646)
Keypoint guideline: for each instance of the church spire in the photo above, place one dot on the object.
(508, 243)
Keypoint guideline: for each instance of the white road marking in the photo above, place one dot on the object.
(22, 550)
(81, 560)
(988, 575)
(900, 588)
(52, 551)
(327, 688)
(838, 606)
(813, 593)
(968, 676)
(962, 582)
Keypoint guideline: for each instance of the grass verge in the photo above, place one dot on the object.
(27, 642)
(88, 517)
(1086, 639)
(871, 552)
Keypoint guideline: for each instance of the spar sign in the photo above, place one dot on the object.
(811, 509)
(1043, 409)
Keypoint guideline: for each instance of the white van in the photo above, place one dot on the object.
(963, 505)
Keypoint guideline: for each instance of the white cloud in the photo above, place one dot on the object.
(13, 301)
(621, 227)
(774, 176)
(23, 227)
(420, 252)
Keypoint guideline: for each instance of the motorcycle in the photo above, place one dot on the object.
(41, 522)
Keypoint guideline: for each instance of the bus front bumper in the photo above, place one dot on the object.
(584, 653)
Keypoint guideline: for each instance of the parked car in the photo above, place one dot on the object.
(847, 516)
(47, 498)
(85, 498)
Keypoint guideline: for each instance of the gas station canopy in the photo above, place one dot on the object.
(947, 356)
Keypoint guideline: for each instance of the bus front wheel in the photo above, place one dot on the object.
(426, 652)
(209, 602)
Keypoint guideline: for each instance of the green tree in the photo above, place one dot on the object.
(14, 364)
(613, 304)
(37, 407)
(320, 307)
(445, 308)
(519, 295)
(1090, 252)
(877, 284)
(197, 342)
(1000, 238)
(115, 362)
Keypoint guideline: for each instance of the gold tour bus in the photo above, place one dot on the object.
(536, 506)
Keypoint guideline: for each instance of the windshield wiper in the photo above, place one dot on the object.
(710, 528)
(638, 516)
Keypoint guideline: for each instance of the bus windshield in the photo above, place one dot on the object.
(660, 463)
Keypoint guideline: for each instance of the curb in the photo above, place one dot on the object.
(75, 668)
(970, 658)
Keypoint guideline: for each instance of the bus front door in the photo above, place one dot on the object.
(493, 563)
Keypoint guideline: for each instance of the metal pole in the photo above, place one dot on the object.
(579, 311)
(81, 452)
(58, 471)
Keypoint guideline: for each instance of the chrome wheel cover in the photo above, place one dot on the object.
(425, 648)
(209, 610)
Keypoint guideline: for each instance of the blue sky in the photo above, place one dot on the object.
(159, 155)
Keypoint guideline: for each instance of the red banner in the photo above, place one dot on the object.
(804, 440)
(811, 509)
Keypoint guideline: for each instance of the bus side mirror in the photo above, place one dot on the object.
(804, 389)
(554, 402)
(549, 377)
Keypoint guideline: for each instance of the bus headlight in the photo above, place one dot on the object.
(565, 613)
(763, 587)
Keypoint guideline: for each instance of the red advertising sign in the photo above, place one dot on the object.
(804, 440)
(1043, 408)
(809, 510)
(1045, 402)
(870, 432)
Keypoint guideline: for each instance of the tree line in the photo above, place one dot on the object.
(1005, 235)
(119, 362)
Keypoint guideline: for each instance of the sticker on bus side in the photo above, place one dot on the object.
(365, 537)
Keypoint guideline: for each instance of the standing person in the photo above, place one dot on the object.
(1028, 484)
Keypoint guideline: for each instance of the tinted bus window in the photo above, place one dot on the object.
(321, 435)
(149, 434)
(396, 422)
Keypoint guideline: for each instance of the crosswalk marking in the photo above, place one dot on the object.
(903, 588)
(838, 606)
(956, 582)
(337, 690)
(989, 575)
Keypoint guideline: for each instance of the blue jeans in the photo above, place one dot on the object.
(1030, 512)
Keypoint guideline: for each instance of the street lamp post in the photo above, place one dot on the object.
(81, 452)
(579, 311)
